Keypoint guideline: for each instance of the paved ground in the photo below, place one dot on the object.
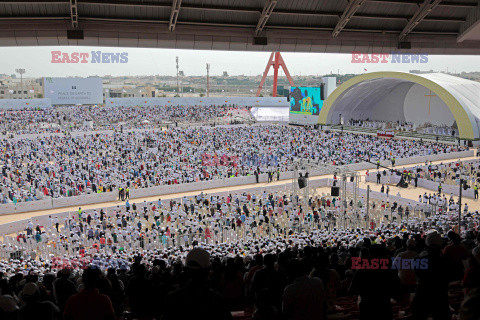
(413, 193)
(410, 193)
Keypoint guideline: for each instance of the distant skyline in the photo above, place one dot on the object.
(37, 62)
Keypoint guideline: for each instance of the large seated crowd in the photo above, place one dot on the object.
(263, 255)
(64, 165)
(245, 254)
(73, 118)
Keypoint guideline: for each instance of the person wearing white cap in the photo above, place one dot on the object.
(196, 300)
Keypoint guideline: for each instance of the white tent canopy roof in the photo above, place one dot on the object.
(434, 98)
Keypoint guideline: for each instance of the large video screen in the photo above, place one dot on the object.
(74, 90)
(306, 100)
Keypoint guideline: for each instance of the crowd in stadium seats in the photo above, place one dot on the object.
(64, 165)
(296, 261)
(249, 255)
(73, 118)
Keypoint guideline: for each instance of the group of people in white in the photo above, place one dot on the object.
(425, 128)
(451, 173)
(73, 118)
(377, 124)
(241, 226)
(111, 237)
(60, 165)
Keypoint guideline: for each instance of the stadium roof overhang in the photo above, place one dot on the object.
(460, 96)
(384, 26)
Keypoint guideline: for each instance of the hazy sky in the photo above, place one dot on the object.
(37, 62)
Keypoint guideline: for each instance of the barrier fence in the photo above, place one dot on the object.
(49, 203)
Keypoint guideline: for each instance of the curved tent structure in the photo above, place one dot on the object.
(437, 99)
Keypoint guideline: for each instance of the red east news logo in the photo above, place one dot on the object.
(89, 57)
(359, 57)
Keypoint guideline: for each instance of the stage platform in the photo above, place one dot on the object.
(399, 134)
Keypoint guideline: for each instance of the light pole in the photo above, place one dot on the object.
(368, 204)
(21, 72)
(178, 87)
(460, 205)
(208, 79)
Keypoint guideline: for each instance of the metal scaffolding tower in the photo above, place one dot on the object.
(208, 79)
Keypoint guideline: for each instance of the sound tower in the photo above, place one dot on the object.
(335, 191)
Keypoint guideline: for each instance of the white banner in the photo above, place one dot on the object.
(74, 90)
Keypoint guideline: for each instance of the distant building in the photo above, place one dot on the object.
(12, 89)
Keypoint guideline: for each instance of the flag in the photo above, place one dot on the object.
(11, 91)
(32, 91)
(124, 90)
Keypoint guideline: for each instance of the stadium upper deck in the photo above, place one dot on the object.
(430, 26)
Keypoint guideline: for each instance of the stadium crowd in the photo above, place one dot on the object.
(267, 254)
(73, 118)
(64, 165)
(292, 261)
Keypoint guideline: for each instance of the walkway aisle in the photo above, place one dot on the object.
(410, 193)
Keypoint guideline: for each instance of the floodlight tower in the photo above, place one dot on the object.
(178, 87)
(208, 79)
(21, 72)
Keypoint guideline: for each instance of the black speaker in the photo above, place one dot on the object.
(404, 45)
(260, 41)
(335, 191)
(16, 255)
(301, 183)
(322, 91)
(75, 34)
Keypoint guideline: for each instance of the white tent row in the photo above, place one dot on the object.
(271, 113)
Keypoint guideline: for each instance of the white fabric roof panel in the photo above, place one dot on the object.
(392, 99)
